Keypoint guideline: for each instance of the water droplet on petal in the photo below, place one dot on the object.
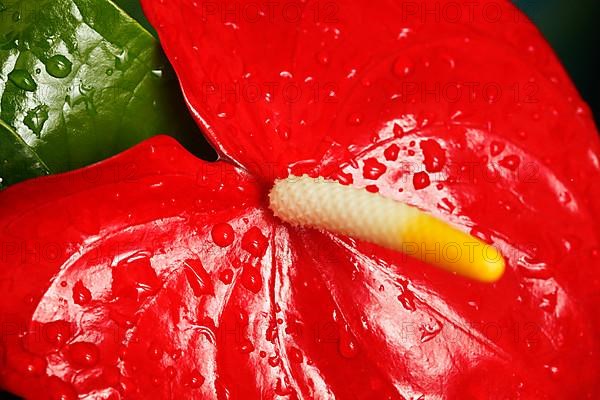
(170, 372)
(254, 242)
(295, 355)
(421, 180)
(406, 296)
(347, 345)
(58, 389)
(83, 354)
(372, 188)
(274, 361)
(398, 131)
(246, 346)
(195, 379)
(391, 153)
(510, 162)
(226, 276)
(355, 119)
(27, 363)
(154, 351)
(81, 294)
(548, 302)
(373, 169)
(430, 330)
(322, 58)
(57, 333)
(553, 370)
(251, 278)
(272, 332)
(284, 389)
(134, 277)
(435, 157)
(198, 278)
(402, 67)
(446, 205)
(564, 198)
(496, 148)
(222, 234)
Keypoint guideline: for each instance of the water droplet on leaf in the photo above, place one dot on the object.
(59, 66)
(23, 80)
(121, 60)
(158, 73)
(36, 118)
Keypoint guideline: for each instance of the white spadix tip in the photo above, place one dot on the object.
(323, 204)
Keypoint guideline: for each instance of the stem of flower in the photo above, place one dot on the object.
(323, 204)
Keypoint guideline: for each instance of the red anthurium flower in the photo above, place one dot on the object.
(158, 275)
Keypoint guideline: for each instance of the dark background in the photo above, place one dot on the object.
(572, 28)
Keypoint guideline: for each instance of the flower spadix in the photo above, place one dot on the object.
(324, 204)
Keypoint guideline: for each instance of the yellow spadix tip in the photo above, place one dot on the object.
(329, 205)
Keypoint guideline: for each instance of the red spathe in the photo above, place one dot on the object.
(154, 274)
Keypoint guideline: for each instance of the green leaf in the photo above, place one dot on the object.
(80, 81)
(134, 9)
(17, 160)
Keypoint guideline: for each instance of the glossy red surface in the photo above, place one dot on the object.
(157, 275)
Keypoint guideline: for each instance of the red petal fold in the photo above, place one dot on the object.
(294, 85)
(469, 117)
(158, 275)
(121, 279)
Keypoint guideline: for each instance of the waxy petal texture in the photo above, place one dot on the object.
(123, 278)
(154, 274)
(448, 106)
